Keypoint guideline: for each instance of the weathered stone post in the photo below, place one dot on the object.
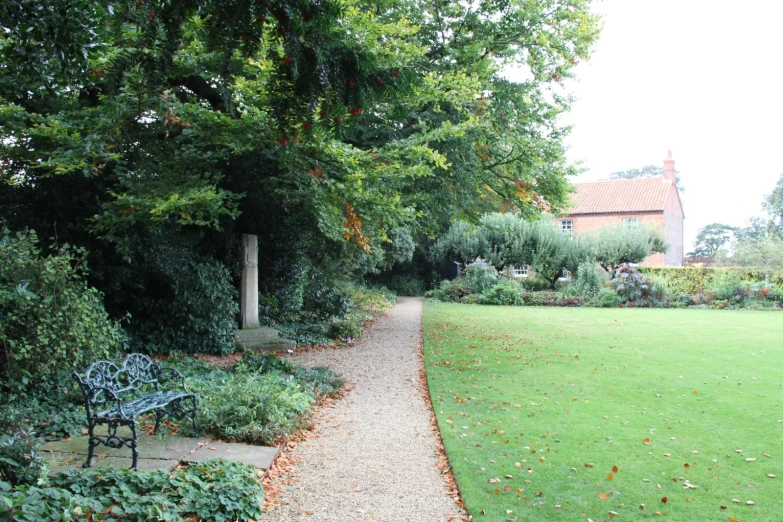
(250, 335)
(248, 301)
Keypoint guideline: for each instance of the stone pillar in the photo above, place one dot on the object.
(248, 301)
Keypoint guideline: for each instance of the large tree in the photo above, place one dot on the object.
(327, 127)
(712, 238)
(773, 205)
(648, 171)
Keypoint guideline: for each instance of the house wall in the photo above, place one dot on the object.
(588, 222)
(673, 228)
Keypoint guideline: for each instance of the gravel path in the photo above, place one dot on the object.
(375, 455)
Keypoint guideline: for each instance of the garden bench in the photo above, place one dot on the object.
(117, 395)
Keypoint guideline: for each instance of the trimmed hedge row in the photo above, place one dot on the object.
(692, 280)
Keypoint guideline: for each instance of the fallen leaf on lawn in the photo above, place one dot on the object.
(602, 496)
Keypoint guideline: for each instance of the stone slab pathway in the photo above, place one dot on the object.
(375, 454)
(155, 453)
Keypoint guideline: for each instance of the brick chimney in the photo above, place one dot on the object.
(668, 168)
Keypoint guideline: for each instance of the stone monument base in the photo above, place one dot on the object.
(262, 339)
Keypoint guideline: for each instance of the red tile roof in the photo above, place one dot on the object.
(622, 195)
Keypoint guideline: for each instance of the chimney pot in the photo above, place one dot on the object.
(668, 168)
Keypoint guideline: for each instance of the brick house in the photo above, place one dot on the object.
(653, 201)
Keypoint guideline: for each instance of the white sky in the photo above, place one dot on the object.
(702, 78)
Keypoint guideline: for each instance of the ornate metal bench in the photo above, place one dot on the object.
(117, 395)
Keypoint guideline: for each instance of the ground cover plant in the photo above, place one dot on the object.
(575, 413)
(234, 493)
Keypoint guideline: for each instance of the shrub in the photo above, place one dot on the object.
(534, 284)
(635, 289)
(480, 276)
(257, 400)
(589, 279)
(53, 409)
(251, 407)
(405, 285)
(451, 291)
(503, 293)
(214, 490)
(199, 315)
(606, 298)
(49, 318)
(20, 463)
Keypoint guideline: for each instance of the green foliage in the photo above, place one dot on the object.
(250, 406)
(648, 171)
(693, 280)
(634, 289)
(20, 462)
(550, 298)
(257, 400)
(451, 291)
(503, 293)
(197, 315)
(214, 489)
(405, 285)
(50, 318)
(53, 409)
(712, 238)
(606, 298)
(589, 280)
(773, 205)
(480, 276)
(613, 245)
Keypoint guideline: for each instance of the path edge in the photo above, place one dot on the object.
(444, 463)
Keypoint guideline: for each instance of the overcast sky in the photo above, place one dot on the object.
(702, 78)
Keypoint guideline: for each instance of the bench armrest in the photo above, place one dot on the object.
(170, 374)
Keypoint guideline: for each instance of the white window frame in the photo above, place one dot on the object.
(520, 271)
(630, 222)
(567, 227)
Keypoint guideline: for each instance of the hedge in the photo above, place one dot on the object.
(691, 280)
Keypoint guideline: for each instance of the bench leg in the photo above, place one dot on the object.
(134, 446)
(92, 442)
(193, 416)
(158, 416)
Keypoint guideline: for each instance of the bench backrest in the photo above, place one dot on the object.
(136, 370)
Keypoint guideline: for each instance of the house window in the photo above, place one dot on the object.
(520, 271)
(630, 222)
(567, 227)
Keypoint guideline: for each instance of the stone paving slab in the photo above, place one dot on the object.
(170, 448)
(260, 457)
(60, 461)
(157, 453)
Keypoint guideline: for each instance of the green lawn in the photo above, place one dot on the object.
(554, 414)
